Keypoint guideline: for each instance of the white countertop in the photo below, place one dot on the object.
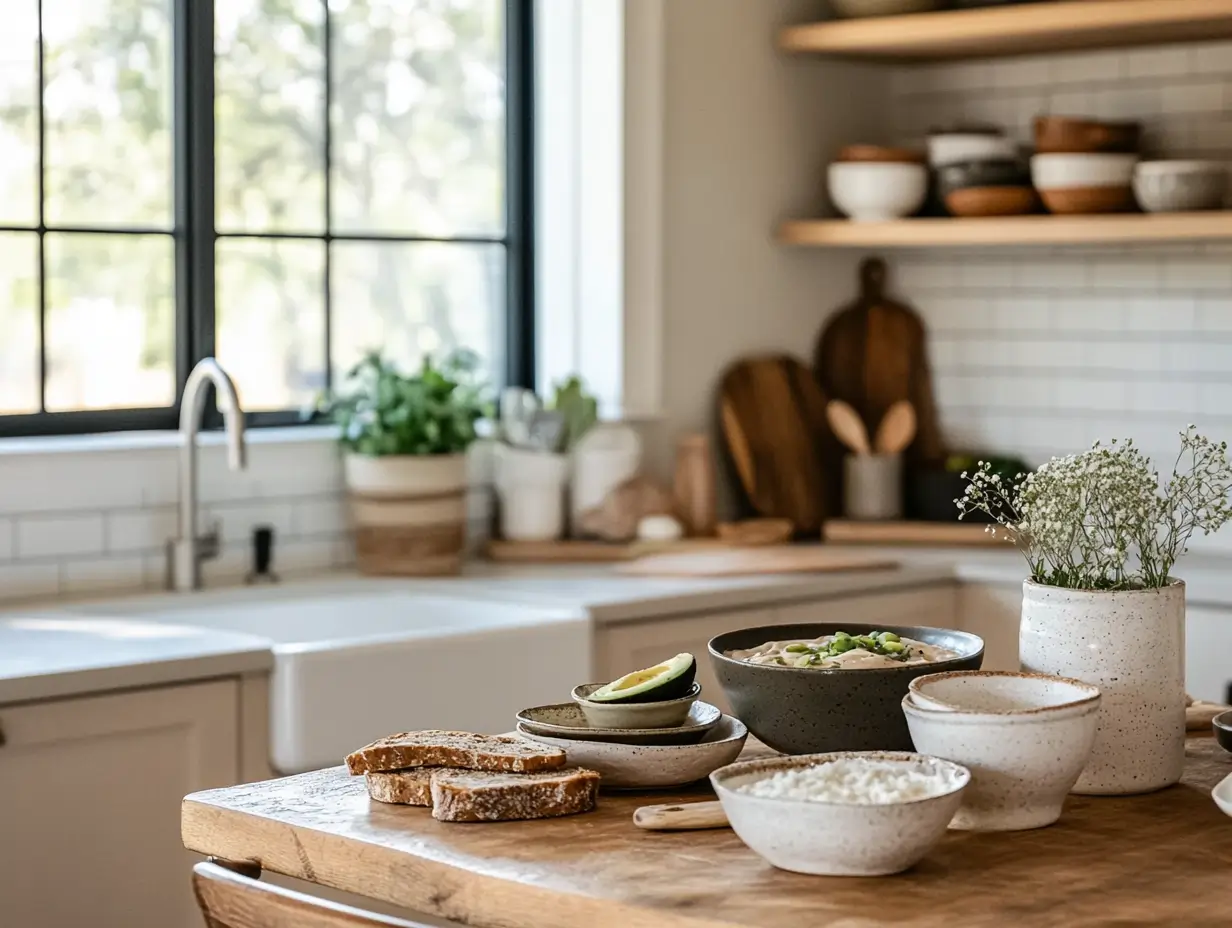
(46, 656)
(59, 652)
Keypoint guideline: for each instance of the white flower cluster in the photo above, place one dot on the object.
(1100, 520)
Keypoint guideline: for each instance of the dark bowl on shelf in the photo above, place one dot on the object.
(965, 174)
(1222, 726)
(798, 711)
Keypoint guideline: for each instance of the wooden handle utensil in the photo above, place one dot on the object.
(689, 816)
(897, 429)
(848, 426)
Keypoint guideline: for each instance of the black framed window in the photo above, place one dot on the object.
(282, 184)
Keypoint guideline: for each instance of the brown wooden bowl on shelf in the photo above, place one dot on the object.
(1075, 201)
(1067, 135)
(880, 154)
(972, 202)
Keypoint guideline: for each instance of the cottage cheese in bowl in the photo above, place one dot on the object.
(843, 814)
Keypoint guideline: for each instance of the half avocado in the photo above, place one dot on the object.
(670, 680)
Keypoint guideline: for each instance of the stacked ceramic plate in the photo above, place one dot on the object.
(638, 745)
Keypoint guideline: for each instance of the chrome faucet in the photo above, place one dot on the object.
(185, 553)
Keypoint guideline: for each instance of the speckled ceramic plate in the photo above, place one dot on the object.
(652, 766)
(565, 720)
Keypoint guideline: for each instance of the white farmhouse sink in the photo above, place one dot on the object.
(357, 660)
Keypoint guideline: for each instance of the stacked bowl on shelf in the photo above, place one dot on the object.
(1080, 166)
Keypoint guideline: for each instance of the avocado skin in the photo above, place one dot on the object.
(676, 687)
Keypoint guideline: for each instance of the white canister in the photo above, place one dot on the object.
(873, 486)
(603, 459)
(531, 488)
(1131, 645)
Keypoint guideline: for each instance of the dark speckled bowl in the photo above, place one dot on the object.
(799, 711)
(1222, 724)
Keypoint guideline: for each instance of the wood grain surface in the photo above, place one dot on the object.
(772, 418)
(1160, 859)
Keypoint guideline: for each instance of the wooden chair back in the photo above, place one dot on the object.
(228, 899)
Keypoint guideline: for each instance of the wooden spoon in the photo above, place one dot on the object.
(848, 426)
(897, 429)
(689, 816)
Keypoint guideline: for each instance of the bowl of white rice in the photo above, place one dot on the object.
(850, 813)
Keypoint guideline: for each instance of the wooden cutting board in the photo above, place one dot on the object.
(775, 559)
(773, 420)
(873, 354)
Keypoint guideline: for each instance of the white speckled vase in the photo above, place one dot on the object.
(1132, 646)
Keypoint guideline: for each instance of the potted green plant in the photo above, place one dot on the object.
(1101, 535)
(404, 440)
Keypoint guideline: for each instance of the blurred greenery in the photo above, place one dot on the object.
(417, 122)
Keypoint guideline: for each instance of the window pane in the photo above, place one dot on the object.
(269, 106)
(19, 114)
(415, 298)
(107, 106)
(19, 351)
(271, 320)
(110, 321)
(418, 116)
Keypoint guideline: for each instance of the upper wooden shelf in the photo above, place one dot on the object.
(1016, 30)
(1010, 230)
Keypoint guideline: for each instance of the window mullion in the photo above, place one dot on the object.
(328, 135)
(42, 206)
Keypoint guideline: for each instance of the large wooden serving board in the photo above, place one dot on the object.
(1161, 859)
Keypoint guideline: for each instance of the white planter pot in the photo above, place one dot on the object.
(606, 457)
(409, 513)
(1132, 646)
(531, 489)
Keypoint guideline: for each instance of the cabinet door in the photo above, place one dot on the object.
(927, 606)
(993, 611)
(90, 792)
(625, 648)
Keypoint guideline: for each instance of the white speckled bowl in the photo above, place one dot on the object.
(663, 713)
(1222, 794)
(653, 766)
(1024, 737)
(836, 839)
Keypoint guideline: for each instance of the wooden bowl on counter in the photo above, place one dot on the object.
(1067, 135)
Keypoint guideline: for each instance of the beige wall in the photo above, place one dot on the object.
(747, 135)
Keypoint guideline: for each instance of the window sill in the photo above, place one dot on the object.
(154, 440)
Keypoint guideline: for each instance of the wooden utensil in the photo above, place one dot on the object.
(688, 816)
(752, 532)
(872, 354)
(771, 559)
(1198, 715)
(694, 485)
(848, 426)
(897, 429)
(772, 417)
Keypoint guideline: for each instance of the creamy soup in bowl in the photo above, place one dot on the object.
(844, 651)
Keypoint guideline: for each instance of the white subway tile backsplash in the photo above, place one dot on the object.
(1189, 97)
(103, 574)
(27, 581)
(1160, 314)
(56, 536)
(7, 532)
(1197, 274)
(141, 529)
(1156, 397)
(1168, 61)
(323, 516)
(238, 520)
(1087, 67)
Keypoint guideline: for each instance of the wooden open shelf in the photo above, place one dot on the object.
(1011, 230)
(1016, 30)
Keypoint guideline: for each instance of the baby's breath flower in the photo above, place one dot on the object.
(1100, 520)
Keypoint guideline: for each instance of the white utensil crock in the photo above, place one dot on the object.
(531, 488)
(1132, 646)
(605, 457)
(873, 486)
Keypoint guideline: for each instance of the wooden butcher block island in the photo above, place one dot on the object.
(1162, 859)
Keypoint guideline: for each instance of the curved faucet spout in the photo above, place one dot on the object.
(185, 553)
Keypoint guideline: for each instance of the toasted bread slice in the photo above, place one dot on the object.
(455, 749)
(474, 796)
(410, 787)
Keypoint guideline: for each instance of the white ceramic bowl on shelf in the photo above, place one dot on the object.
(1024, 737)
(876, 191)
(1180, 186)
(1088, 169)
(834, 838)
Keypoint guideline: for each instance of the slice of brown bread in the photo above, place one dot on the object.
(410, 787)
(455, 749)
(473, 796)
